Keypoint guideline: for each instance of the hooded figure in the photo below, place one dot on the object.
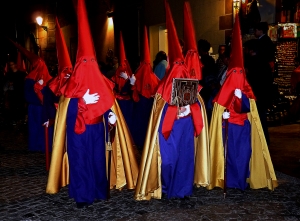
(175, 154)
(59, 167)
(64, 63)
(35, 81)
(124, 80)
(192, 59)
(51, 92)
(86, 118)
(143, 92)
(247, 159)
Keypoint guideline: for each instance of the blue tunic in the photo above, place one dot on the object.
(36, 134)
(239, 151)
(87, 162)
(142, 110)
(177, 153)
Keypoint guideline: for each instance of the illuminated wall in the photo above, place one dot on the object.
(212, 18)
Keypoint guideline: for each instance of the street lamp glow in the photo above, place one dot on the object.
(39, 20)
(110, 22)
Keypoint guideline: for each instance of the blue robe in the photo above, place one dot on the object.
(142, 111)
(126, 106)
(49, 111)
(239, 151)
(175, 165)
(36, 135)
(87, 162)
(177, 153)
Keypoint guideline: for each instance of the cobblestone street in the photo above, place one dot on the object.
(23, 181)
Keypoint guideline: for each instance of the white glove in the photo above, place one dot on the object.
(112, 118)
(46, 123)
(124, 75)
(41, 82)
(238, 93)
(90, 98)
(184, 111)
(226, 115)
(132, 79)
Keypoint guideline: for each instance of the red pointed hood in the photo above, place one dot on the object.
(123, 62)
(177, 67)
(192, 59)
(64, 62)
(175, 51)
(146, 81)
(29, 55)
(63, 56)
(146, 52)
(235, 76)
(86, 75)
(188, 27)
(122, 54)
(39, 69)
(123, 66)
(236, 56)
(85, 40)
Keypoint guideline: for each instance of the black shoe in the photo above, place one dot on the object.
(82, 205)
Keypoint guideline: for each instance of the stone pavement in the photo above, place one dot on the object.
(23, 179)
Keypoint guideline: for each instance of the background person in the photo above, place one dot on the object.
(160, 64)
(14, 94)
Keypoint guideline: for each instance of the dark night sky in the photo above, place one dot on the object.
(16, 15)
(17, 19)
(21, 14)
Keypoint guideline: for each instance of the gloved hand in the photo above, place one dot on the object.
(184, 111)
(238, 93)
(226, 115)
(41, 81)
(132, 79)
(124, 75)
(46, 124)
(90, 98)
(112, 118)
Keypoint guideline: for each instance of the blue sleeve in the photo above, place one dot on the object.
(126, 88)
(49, 99)
(30, 95)
(245, 104)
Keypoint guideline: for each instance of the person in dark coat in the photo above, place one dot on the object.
(14, 93)
(209, 72)
(259, 80)
(264, 61)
